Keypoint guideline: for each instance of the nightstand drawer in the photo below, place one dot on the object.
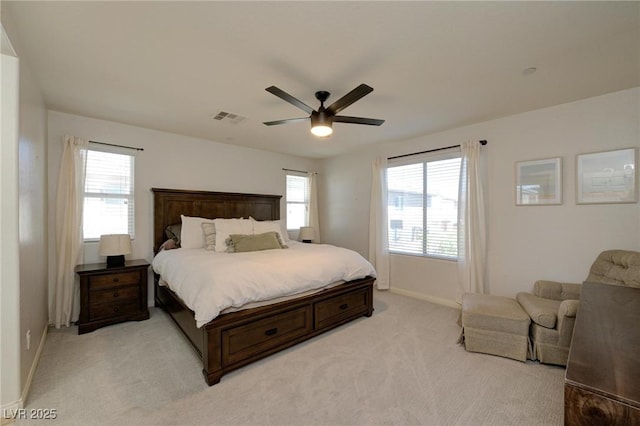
(112, 280)
(340, 308)
(241, 342)
(115, 309)
(117, 294)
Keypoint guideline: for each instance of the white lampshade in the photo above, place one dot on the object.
(115, 246)
(307, 233)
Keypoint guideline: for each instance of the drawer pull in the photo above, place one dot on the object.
(116, 294)
(271, 331)
(344, 306)
(116, 309)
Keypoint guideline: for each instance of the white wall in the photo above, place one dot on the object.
(24, 225)
(9, 238)
(32, 171)
(525, 243)
(170, 161)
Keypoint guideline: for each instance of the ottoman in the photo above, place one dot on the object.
(495, 325)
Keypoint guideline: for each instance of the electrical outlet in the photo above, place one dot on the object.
(28, 339)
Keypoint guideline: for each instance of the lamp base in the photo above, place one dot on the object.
(117, 260)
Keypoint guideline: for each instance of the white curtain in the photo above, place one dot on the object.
(313, 219)
(378, 241)
(471, 223)
(69, 249)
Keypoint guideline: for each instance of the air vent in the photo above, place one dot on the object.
(228, 117)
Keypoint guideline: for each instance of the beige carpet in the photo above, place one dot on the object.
(402, 366)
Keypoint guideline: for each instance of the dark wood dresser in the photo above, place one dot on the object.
(109, 295)
(602, 382)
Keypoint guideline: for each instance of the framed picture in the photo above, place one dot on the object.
(606, 177)
(539, 182)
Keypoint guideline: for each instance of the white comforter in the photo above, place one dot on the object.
(209, 282)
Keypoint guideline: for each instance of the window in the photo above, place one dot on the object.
(423, 205)
(297, 200)
(108, 194)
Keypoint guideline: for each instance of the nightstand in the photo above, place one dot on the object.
(109, 295)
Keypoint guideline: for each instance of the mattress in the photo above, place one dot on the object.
(211, 283)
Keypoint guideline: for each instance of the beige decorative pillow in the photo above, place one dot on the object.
(209, 230)
(239, 243)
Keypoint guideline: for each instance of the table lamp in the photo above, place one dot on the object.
(307, 234)
(115, 246)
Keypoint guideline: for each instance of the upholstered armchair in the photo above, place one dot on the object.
(553, 305)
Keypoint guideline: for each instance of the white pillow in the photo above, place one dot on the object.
(262, 226)
(226, 227)
(192, 235)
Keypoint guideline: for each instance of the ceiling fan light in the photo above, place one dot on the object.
(321, 123)
(321, 130)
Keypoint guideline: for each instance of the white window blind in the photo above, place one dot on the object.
(423, 205)
(297, 200)
(108, 194)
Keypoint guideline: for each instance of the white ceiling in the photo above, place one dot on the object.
(170, 66)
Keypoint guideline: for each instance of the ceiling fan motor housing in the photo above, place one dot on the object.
(321, 117)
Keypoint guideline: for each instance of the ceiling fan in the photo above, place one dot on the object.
(323, 118)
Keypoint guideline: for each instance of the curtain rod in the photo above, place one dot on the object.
(119, 146)
(482, 142)
(297, 171)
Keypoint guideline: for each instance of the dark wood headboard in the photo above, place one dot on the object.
(169, 204)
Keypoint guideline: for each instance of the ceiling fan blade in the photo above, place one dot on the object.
(285, 121)
(357, 93)
(357, 120)
(287, 97)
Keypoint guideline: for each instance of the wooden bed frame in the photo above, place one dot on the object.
(233, 340)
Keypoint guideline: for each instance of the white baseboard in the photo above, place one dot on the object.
(13, 409)
(432, 299)
(34, 366)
